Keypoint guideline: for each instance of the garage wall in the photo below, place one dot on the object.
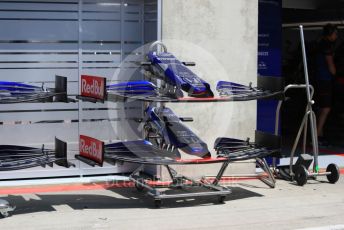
(221, 37)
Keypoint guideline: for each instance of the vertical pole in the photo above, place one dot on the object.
(142, 53)
(79, 71)
(159, 21)
(159, 38)
(122, 31)
(310, 103)
(277, 123)
(142, 11)
(305, 68)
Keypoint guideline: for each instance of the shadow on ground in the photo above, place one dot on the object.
(123, 198)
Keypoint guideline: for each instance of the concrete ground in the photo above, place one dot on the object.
(252, 205)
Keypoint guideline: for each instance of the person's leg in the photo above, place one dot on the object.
(322, 117)
(325, 104)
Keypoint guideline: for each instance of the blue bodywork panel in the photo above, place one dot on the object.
(9, 85)
(179, 75)
(133, 88)
(15, 88)
(16, 92)
(129, 143)
(176, 133)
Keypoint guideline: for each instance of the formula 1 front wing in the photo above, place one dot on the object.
(15, 92)
(14, 157)
(144, 152)
(147, 91)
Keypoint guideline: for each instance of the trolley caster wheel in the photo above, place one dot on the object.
(222, 199)
(5, 208)
(157, 203)
(4, 214)
(334, 176)
(301, 175)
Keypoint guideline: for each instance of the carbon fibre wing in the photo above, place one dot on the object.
(14, 92)
(14, 157)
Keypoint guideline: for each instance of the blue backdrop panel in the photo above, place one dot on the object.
(269, 57)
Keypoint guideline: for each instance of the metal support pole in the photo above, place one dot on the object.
(269, 179)
(305, 129)
(305, 118)
(310, 103)
(220, 173)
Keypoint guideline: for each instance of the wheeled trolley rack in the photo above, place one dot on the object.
(300, 170)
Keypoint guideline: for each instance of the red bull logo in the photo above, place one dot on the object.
(92, 86)
(92, 149)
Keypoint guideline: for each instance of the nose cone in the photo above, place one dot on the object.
(197, 149)
(201, 92)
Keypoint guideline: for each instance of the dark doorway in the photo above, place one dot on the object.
(313, 15)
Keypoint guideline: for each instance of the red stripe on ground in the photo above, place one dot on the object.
(62, 188)
(102, 186)
(98, 186)
(331, 152)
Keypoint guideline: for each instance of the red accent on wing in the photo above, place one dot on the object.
(203, 160)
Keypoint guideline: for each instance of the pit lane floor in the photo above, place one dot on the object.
(250, 206)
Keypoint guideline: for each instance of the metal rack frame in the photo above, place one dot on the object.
(180, 181)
